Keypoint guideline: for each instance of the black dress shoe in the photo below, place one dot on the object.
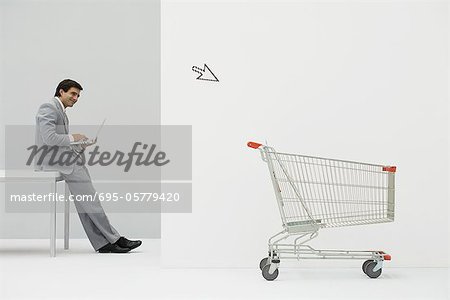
(113, 248)
(126, 243)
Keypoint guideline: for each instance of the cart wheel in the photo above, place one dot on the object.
(264, 262)
(364, 265)
(369, 270)
(267, 275)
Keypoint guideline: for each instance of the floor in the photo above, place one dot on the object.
(27, 272)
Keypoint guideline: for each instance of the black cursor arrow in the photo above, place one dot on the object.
(205, 73)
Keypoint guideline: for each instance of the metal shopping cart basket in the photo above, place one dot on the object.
(314, 193)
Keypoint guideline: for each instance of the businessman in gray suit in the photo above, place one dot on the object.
(52, 130)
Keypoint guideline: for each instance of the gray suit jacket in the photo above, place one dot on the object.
(52, 130)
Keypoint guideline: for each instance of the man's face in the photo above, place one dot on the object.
(70, 97)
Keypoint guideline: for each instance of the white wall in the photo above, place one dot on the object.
(358, 80)
(111, 47)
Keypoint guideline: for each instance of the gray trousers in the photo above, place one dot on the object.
(92, 216)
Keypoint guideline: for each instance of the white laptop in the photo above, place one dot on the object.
(90, 141)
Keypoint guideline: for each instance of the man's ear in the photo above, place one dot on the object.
(60, 91)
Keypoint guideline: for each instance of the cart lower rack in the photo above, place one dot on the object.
(314, 193)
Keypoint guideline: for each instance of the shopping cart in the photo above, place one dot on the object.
(314, 193)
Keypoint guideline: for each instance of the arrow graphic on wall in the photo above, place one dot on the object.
(205, 73)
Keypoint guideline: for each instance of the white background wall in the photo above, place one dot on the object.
(358, 80)
(111, 48)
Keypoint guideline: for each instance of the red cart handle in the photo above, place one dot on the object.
(391, 169)
(254, 145)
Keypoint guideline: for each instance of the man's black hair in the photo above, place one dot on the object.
(66, 84)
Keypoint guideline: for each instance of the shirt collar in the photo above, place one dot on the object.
(61, 104)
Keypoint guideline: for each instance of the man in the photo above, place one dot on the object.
(52, 130)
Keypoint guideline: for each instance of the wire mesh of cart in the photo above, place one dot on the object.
(314, 193)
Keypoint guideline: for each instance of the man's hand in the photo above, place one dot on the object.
(79, 137)
(88, 144)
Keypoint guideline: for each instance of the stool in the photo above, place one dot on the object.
(51, 177)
